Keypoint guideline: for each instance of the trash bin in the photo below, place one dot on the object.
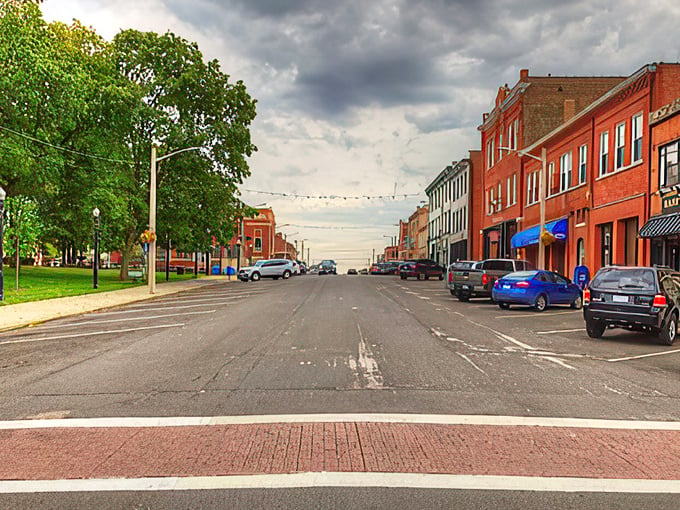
(215, 270)
(180, 270)
(230, 271)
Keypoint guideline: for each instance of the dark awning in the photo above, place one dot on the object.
(660, 226)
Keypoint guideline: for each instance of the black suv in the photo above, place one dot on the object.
(638, 298)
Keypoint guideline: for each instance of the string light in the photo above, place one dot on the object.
(399, 196)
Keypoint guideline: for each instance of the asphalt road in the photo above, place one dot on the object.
(333, 344)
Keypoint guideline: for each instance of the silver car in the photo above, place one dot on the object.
(274, 268)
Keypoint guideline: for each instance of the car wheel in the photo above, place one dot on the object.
(421, 276)
(541, 303)
(669, 332)
(286, 274)
(403, 276)
(504, 306)
(255, 277)
(577, 304)
(595, 328)
(453, 292)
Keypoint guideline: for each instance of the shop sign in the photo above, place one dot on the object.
(665, 111)
(670, 200)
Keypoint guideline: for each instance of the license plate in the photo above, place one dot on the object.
(466, 287)
(506, 286)
(619, 299)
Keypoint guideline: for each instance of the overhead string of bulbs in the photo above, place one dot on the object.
(397, 196)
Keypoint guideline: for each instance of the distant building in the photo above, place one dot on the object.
(283, 249)
(257, 237)
(391, 253)
(417, 234)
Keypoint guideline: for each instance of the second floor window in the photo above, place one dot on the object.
(604, 152)
(620, 144)
(668, 164)
(565, 171)
(499, 201)
(553, 179)
(258, 240)
(636, 138)
(532, 188)
(582, 163)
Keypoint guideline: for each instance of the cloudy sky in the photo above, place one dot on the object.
(356, 97)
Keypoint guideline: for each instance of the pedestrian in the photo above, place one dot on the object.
(581, 275)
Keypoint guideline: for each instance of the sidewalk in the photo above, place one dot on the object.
(26, 314)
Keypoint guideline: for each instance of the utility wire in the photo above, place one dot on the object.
(65, 149)
(334, 197)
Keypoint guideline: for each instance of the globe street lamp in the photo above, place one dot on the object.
(2, 224)
(95, 259)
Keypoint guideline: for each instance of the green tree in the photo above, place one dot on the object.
(23, 228)
(185, 102)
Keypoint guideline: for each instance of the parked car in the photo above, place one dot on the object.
(375, 269)
(303, 268)
(478, 280)
(637, 298)
(327, 267)
(363, 271)
(351, 271)
(422, 269)
(539, 289)
(274, 268)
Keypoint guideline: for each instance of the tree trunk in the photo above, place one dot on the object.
(125, 255)
(18, 262)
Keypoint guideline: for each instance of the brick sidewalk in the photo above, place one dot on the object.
(87, 453)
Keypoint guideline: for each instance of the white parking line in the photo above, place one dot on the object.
(471, 362)
(184, 301)
(95, 333)
(141, 310)
(559, 362)
(535, 314)
(643, 356)
(87, 323)
(559, 331)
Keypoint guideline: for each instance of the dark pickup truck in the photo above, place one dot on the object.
(478, 281)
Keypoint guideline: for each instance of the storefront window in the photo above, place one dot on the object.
(606, 244)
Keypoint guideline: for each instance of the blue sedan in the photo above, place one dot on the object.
(536, 288)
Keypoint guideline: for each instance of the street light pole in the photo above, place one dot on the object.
(95, 258)
(2, 232)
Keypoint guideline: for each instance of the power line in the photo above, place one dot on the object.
(65, 149)
(329, 227)
(335, 197)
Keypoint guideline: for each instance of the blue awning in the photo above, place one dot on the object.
(558, 228)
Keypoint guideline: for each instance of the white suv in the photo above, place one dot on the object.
(274, 268)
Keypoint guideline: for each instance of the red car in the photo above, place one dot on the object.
(423, 269)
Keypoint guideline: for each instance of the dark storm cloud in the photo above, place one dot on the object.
(342, 56)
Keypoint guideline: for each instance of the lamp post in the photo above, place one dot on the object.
(238, 256)
(95, 258)
(2, 232)
(541, 196)
(152, 209)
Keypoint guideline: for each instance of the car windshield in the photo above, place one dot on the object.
(625, 279)
(463, 265)
(520, 275)
(259, 263)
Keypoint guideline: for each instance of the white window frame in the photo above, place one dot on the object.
(499, 202)
(620, 145)
(500, 145)
(583, 163)
(515, 132)
(635, 136)
(551, 178)
(492, 203)
(514, 189)
(509, 195)
(604, 152)
(565, 171)
(490, 148)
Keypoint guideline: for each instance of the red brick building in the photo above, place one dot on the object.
(283, 249)
(416, 244)
(476, 206)
(597, 183)
(402, 241)
(391, 253)
(533, 107)
(257, 238)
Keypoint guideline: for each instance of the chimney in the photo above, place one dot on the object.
(523, 74)
(569, 109)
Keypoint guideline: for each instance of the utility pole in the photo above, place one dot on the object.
(152, 223)
(541, 198)
(373, 256)
(309, 261)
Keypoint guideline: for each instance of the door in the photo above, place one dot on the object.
(561, 292)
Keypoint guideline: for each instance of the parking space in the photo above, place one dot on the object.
(558, 330)
(173, 311)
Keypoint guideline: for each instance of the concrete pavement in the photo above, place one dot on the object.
(35, 312)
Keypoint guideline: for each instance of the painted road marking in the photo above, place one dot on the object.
(558, 362)
(140, 310)
(184, 301)
(434, 419)
(559, 331)
(331, 479)
(369, 365)
(95, 333)
(87, 323)
(470, 361)
(535, 314)
(644, 356)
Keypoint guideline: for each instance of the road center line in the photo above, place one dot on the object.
(87, 323)
(343, 479)
(644, 356)
(95, 333)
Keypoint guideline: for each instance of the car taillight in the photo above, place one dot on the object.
(450, 277)
(586, 296)
(496, 284)
(522, 285)
(485, 279)
(659, 301)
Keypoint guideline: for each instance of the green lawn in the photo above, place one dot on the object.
(37, 283)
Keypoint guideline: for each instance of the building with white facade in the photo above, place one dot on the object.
(449, 214)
